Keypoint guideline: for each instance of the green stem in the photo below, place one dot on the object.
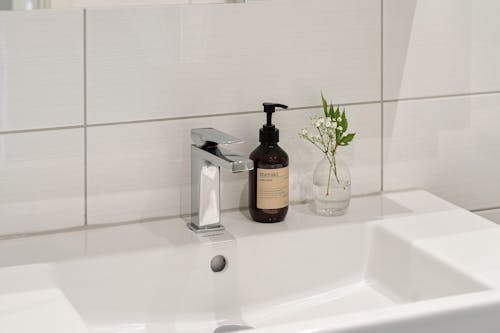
(335, 169)
(329, 178)
(333, 163)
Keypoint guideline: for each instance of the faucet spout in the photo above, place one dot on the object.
(207, 158)
(224, 158)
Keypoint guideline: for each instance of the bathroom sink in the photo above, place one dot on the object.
(45, 310)
(394, 263)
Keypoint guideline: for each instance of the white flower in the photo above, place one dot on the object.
(344, 135)
(339, 119)
(319, 122)
(303, 132)
(334, 124)
(328, 123)
(340, 128)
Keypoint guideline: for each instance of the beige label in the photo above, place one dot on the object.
(272, 188)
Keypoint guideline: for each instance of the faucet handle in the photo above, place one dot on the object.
(200, 136)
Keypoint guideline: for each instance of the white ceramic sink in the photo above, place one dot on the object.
(45, 310)
(403, 262)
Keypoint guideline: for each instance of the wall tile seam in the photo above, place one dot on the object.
(166, 119)
(41, 129)
(140, 121)
(85, 136)
(485, 209)
(214, 115)
(382, 95)
(442, 96)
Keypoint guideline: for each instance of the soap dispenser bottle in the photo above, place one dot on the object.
(268, 181)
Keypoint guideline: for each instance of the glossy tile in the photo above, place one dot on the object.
(440, 47)
(450, 147)
(176, 61)
(41, 69)
(139, 171)
(41, 181)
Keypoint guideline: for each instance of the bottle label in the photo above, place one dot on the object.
(272, 188)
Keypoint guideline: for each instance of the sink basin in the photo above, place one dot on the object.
(384, 267)
(39, 311)
(347, 269)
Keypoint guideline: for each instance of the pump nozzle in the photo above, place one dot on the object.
(270, 108)
(269, 133)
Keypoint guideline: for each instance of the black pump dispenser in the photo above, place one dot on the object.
(268, 182)
(269, 133)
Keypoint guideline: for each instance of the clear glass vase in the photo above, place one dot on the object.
(331, 187)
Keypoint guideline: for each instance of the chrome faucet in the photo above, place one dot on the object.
(206, 160)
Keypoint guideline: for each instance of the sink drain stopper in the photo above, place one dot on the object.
(231, 328)
(218, 263)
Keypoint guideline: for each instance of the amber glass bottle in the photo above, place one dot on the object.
(268, 181)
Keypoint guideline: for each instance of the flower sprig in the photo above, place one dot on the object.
(331, 133)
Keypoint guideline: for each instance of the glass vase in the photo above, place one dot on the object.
(331, 187)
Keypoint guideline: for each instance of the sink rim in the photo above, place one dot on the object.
(405, 311)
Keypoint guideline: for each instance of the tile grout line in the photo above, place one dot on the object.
(382, 95)
(85, 170)
(141, 121)
(431, 97)
(478, 210)
(126, 122)
(42, 129)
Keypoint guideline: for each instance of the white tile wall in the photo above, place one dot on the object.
(41, 69)
(190, 60)
(41, 181)
(138, 171)
(449, 146)
(440, 47)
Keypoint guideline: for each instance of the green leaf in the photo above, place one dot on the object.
(343, 121)
(331, 111)
(347, 139)
(325, 105)
(337, 113)
(338, 136)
